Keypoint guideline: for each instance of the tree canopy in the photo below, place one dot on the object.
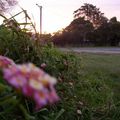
(91, 13)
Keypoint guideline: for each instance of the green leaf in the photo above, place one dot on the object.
(59, 114)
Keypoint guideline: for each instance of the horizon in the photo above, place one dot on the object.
(59, 14)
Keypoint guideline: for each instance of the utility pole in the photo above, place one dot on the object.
(40, 7)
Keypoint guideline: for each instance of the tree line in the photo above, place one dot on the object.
(89, 28)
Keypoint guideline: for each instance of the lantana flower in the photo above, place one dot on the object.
(5, 62)
(32, 82)
(43, 65)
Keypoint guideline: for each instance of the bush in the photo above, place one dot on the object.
(17, 45)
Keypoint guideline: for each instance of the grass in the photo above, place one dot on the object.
(102, 65)
(88, 85)
(95, 92)
(101, 62)
(107, 68)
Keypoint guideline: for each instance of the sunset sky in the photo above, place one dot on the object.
(57, 14)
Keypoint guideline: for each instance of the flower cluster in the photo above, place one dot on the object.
(32, 82)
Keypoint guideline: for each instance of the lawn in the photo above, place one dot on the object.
(94, 95)
(106, 63)
(105, 67)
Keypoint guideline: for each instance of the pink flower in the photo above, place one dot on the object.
(44, 97)
(32, 82)
(52, 95)
(28, 91)
(5, 62)
(40, 99)
(18, 81)
(14, 77)
(43, 65)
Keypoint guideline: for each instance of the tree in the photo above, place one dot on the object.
(91, 13)
(75, 33)
(113, 20)
(6, 5)
(80, 25)
(114, 33)
(108, 34)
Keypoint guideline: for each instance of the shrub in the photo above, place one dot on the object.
(16, 45)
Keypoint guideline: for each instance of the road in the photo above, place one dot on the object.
(105, 50)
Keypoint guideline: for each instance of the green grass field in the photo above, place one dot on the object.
(96, 92)
(103, 66)
(107, 63)
(106, 68)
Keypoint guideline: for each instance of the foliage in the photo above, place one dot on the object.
(91, 13)
(16, 45)
(108, 34)
(75, 33)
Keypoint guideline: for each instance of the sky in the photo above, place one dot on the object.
(58, 14)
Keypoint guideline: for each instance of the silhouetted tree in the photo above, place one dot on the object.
(114, 33)
(91, 13)
(75, 33)
(108, 34)
(113, 20)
